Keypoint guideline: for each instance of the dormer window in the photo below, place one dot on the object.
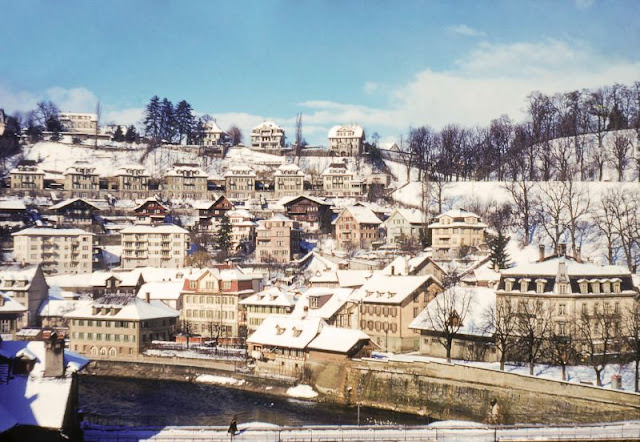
(584, 286)
(616, 285)
(508, 284)
(540, 283)
(606, 287)
(279, 330)
(296, 332)
(562, 288)
(595, 287)
(524, 284)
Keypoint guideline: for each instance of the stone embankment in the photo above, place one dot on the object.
(440, 390)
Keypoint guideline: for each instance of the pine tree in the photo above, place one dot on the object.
(223, 238)
(118, 135)
(152, 118)
(132, 135)
(184, 121)
(499, 256)
(167, 120)
(197, 133)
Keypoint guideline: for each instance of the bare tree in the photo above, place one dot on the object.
(533, 328)
(621, 150)
(501, 321)
(631, 323)
(625, 208)
(577, 204)
(525, 196)
(551, 211)
(605, 222)
(298, 141)
(561, 347)
(598, 334)
(561, 151)
(446, 314)
(235, 135)
(98, 115)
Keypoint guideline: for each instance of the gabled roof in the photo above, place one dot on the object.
(10, 305)
(387, 289)
(286, 331)
(358, 132)
(162, 290)
(17, 273)
(60, 307)
(406, 265)
(286, 201)
(68, 202)
(211, 126)
(267, 125)
(338, 297)
(362, 215)
(413, 216)
(48, 231)
(338, 340)
(146, 228)
(147, 201)
(271, 296)
(128, 308)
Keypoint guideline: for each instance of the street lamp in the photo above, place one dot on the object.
(359, 397)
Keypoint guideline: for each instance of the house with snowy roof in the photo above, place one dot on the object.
(568, 290)
(56, 250)
(150, 211)
(357, 226)
(186, 181)
(163, 245)
(74, 212)
(211, 300)
(288, 180)
(405, 226)
(282, 345)
(456, 230)
(311, 212)
(119, 326)
(82, 180)
(346, 140)
(133, 181)
(27, 177)
(339, 180)
(243, 229)
(267, 136)
(116, 283)
(210, 212)
(277, 240)
(13, 213)
(270, 301)
(38, 391)
(388, 303)
(213, 135)
(330, 304)
(53, 310)
(463, 310)
(169, 292)
(240, 182)
(340, 278)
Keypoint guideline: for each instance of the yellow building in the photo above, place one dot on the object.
(454, 230)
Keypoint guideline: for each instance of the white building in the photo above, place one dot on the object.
(57, 250)
(213, 135)
(405, 225)
(79, 123)
(288, 180)
(267, 136)
(346, 140)
(157, 246)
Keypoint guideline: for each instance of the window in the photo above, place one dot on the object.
(562, 309)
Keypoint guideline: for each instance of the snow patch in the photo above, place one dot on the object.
(302, 391)
(220, 380)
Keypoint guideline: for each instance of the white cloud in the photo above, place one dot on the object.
(73, 100)
(20, 101)
(465, 30)
(130, 116)
(370, 87)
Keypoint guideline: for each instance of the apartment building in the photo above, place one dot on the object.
(213, 135)
(346, 140)
(387, 304)
(57, 250)
(27, 286)
(277, 240)
(26, 177)
(267, 136)
(288, 180)
(210, 212)
(162, 245)
(405, 226)
(119, 326)
(186, 181)
(133, 181)
(11, 314)
(211, 300)
(357, 226)
(81, 180)
(78, 122)
(261, 305)
(240, 182)
(454, 230)
(339, 181)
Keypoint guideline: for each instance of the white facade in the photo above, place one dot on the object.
(79, 123)
(155, 246)
(346, 140)
(213, 135)
(267, 136)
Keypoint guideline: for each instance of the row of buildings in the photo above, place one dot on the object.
(188, 181)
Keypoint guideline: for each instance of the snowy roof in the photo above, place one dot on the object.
(36, 400)
(149, 200)
(289, 169)
(60, 307)
(358, 132)
(458, 213)
(413, 216)
(286, 331)
(363, 215)
(406, 265)
(238, 170)
(127, 278)
(337, 339)
(550, 268)
(162, 228)
(289, 199)
(48, 231)
(338, 297)
(127, 168)
(211, 126)
(17, 273)
(271, 296)
(266, 125)
(180, 171)
(65, 203)
(167, 290)
(204, 205)
(10, 305)
(240, 213)
(127, 308)
(387, 289)
(353, 278)
(12, 205)
(481, 298)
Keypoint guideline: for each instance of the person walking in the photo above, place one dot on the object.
(233, 427)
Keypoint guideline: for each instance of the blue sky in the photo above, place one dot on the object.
(386, 65)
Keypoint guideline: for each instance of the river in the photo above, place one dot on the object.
(136, 402)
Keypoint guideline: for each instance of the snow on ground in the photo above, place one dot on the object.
(220, 380)
(302, 391)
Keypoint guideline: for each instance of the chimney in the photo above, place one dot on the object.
(147, 297)
(393, 270)
(541, 252)
(53, 355)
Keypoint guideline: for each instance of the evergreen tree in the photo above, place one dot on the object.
(499, 256)
(184, 121)
(54, 126)
(132, 135)
(223, 238)
(167, 121)
(118, 135)
(152, 119)
(197, 133)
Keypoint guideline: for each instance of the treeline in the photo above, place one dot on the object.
(166, 123)
(562, 137)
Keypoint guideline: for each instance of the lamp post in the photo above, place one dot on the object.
(359, 399)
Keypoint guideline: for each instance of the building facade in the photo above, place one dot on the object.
(27, 286)
(267, 136)
(56, 250)
(213, 135)
(454, 230)
(270, 301)
(163, 245)
(186, 181)
(357, 226)
(288, 180)
(133, 181)
(151, 211)
(277, 240)
(81, 180)
(338, 180)
(240, 182)
(346, 140)
(79, 123)
(405, 226)
(312, 213)
(27, 177)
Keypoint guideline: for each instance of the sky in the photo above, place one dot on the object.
(385, 65)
